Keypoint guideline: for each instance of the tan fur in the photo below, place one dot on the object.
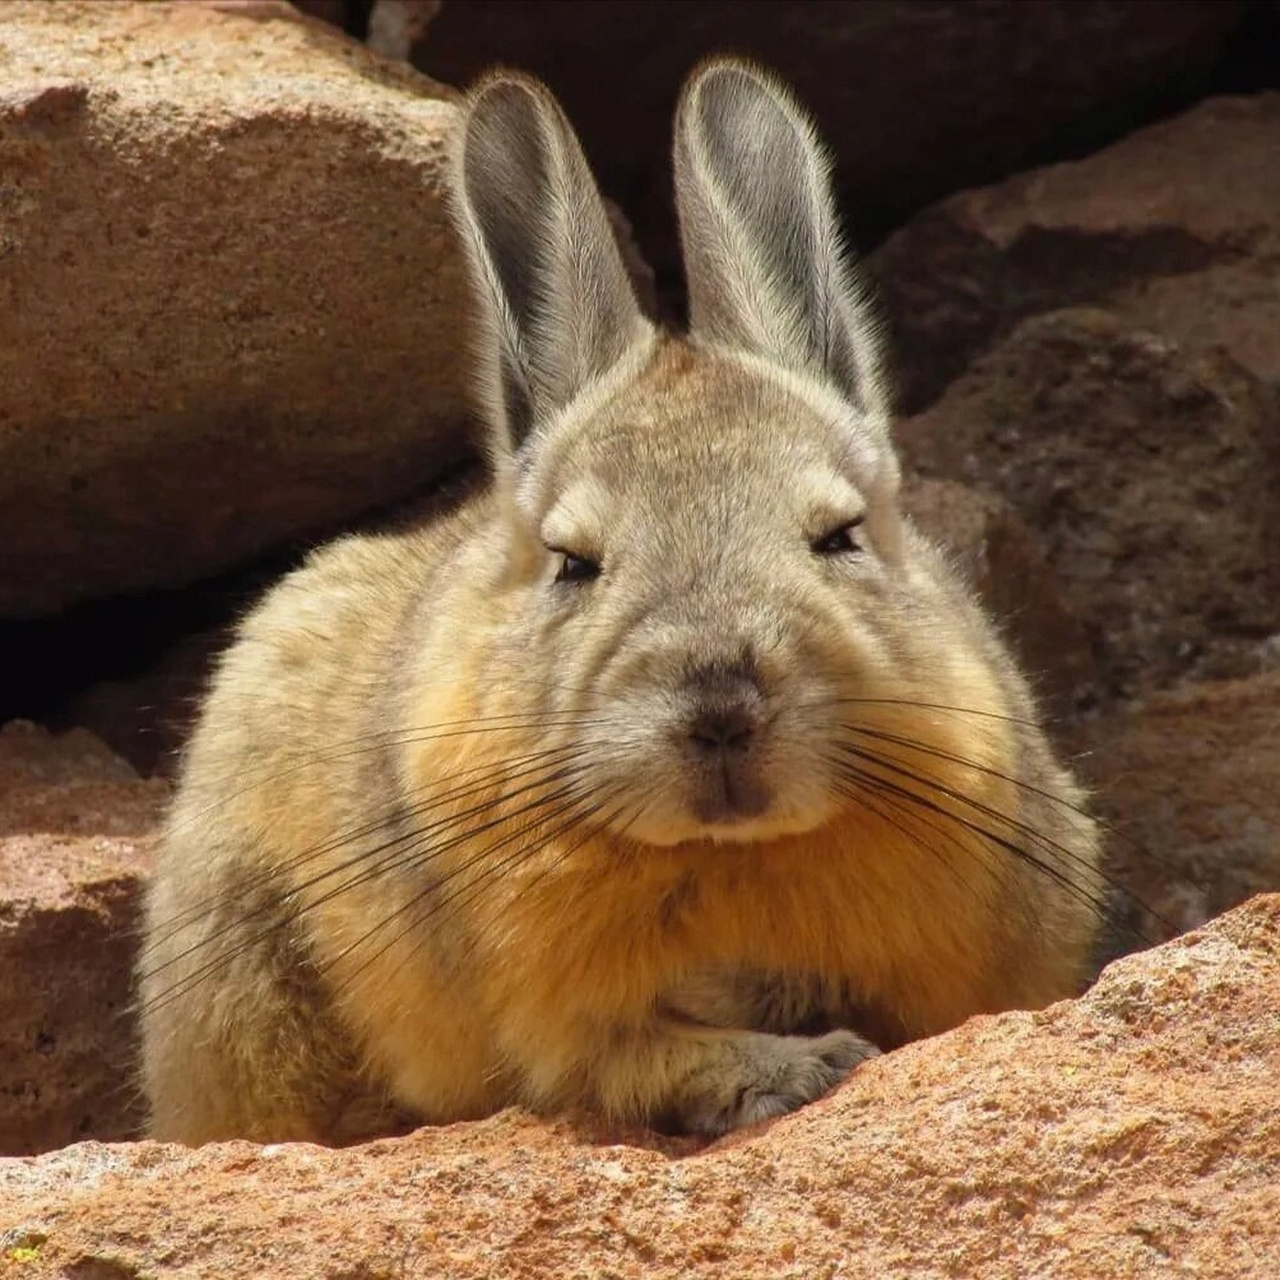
(569, 926)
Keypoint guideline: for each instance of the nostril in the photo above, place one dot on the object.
(721, 728)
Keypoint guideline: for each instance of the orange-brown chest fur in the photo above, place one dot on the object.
(907, 912)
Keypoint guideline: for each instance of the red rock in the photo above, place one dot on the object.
(1131, 1133)
(75, 843)
(1188, 780)
(1176, 229)
(1150, 475)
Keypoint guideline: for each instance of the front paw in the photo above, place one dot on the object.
(768, 1076)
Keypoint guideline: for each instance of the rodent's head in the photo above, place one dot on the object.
(704, 532)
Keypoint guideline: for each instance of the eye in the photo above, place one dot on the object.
(575, 568)
(839, 541)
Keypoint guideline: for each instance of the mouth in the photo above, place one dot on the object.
(730, 796)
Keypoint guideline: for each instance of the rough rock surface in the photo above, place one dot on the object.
(917, 99)
(1188, 779)
(75, 824)
(1001, 558)
(1150, 474)
(395, 26)
(1176, 229)
(146, 719)
(231, 308)
(1130, 1133)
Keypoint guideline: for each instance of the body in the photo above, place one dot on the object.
(671, 774)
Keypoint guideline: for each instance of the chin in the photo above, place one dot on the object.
(667, 831)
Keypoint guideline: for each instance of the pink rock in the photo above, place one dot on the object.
(75, 843)
(1131, 1133)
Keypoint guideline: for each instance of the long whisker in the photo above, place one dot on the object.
(916, 704)
(189, 980)
(1015, 824)
(489, 779)
(1085, 893)
(489, 870)
(372, 862)
(1043, 793)
(853, 787)
(396, 738)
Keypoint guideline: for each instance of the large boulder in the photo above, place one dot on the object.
(1129, 1133)
(917, 99)
(1001, 558)
(231, 307)
(1149, 472)
(1176, 229)
(1187, 781)
(76, 841)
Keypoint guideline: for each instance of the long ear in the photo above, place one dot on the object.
(762, 249)
(557, 306)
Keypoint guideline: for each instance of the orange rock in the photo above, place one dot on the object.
(75, 825)
(1133, 1132)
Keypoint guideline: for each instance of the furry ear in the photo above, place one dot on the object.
(762, 249)
(557, 307)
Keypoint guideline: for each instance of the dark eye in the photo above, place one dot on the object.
(575, 568)
(840, 541)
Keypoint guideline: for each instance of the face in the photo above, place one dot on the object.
(719, 584)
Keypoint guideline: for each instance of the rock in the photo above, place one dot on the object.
(75, 828)
(1132, 1132)
(231, 308)
(1001, 558)
(1176, 229)
(917, 100)
(147, 719)
(334, 11)
(1187, 779)
(1150, 475)
(641, 273)
(396, 25)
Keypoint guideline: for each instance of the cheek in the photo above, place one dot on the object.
(920, 708)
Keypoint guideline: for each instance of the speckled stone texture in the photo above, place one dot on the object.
(1150, 472)
(231, 307)
(76, 827)
(1132, 1133)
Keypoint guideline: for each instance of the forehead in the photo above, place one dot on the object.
(694, 421)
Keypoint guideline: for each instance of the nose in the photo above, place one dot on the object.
(725, 710)
(722, 727)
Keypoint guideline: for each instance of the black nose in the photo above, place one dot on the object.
(722, 727)
(725, 708)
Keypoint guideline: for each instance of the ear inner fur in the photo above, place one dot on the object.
(763, 255)
(558, 307)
